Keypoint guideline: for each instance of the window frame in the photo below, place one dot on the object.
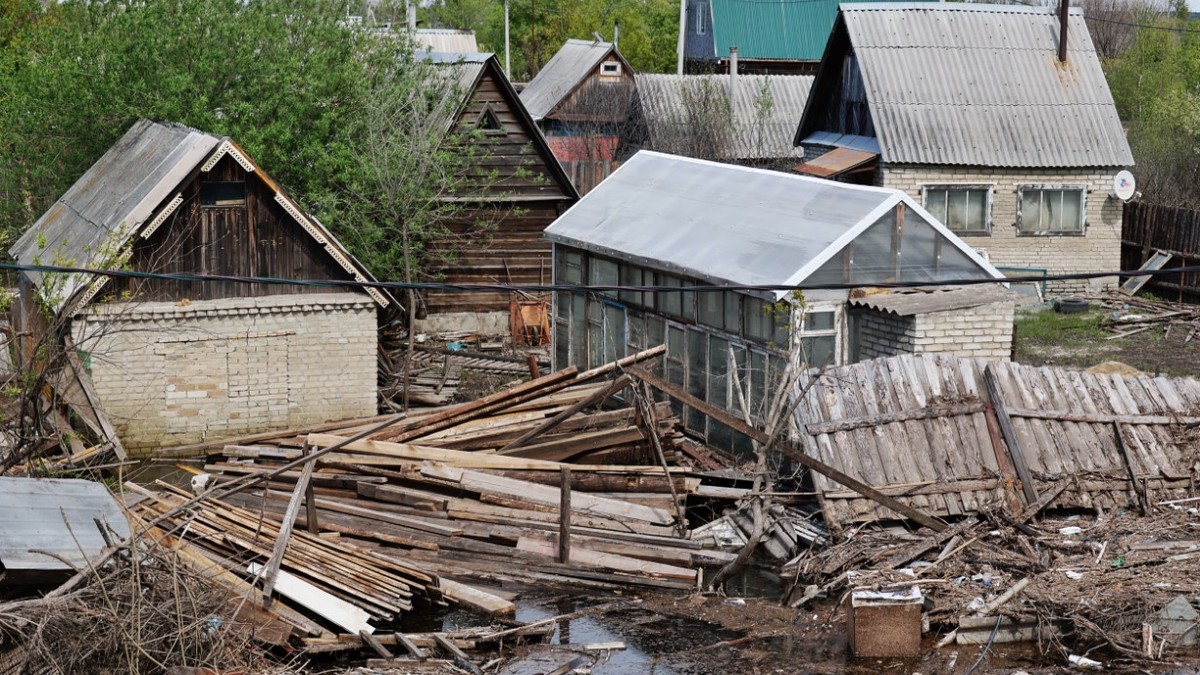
(989, 190)
(702, 19)
(1028, 187)
(801, 332)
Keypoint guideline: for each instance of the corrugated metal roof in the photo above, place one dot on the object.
(447, 40)
(982, 85)
(90, 225)
(764, 112)
(724, 223)
(940, 299)
(54, 515)
(772, 29)
(562, 74)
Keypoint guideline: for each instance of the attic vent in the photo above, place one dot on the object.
(489, 122)
(610, 68)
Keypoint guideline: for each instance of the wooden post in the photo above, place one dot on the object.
(531, 359)
(564, 517)
(310, 500)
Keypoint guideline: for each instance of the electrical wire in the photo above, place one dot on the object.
(474, 287)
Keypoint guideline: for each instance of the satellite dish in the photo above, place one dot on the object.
(1124, 186)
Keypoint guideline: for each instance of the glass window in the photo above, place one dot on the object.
(688, 300)
(604, 273)
(632, 275)
(670, 302)
(614, 332)
(711, 310)
(733, 312)
(818, 337)
(562, 330)
(676, 355)
(718, 372)
(570, 266)
(1050, 210)
(637, 332)
(965, 209)
(697, 376)
(578, 329)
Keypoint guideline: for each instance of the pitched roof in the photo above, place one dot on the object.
(470, 69)
(761, 127)
(977, 85)
(730, 224)
(447, 40)
(772, 29)
(565, 71)
(95, 220)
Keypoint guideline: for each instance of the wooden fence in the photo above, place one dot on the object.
(1150, 227)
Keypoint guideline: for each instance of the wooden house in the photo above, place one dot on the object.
(734, 240)
(580, 99)
(177, 360)
(515, 186)
(1007, 136)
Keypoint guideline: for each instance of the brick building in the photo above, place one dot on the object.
(175, 361)
(974, 111)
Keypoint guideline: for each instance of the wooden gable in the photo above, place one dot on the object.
(512, 162)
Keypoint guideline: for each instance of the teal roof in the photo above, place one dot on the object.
(773, 29)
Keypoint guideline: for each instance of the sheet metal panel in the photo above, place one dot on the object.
(755, 132)
(982, 85)
(936, 300)
(55, 515)
(447, 40)
(773, 29)
(559, 77)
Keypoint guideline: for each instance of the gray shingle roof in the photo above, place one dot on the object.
(562, 74)
(982, 85)
(756, 131)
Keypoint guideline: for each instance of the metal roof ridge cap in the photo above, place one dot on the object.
(777, 174)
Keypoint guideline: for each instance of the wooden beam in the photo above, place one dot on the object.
(1010, 435)
(596, 398)
(928, 412)
(791, 451)
(1101, 418)
(285, 529)
(564, 517)
(1142, 500)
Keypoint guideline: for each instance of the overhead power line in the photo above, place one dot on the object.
(452, 287)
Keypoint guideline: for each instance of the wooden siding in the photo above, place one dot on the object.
(257, 239)
(517, 191)
(928, 430)
(1147, 228)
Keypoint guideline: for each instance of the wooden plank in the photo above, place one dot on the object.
(285, 531)
(564, 516)
(1102, 418)
(596, 398)
(326, 605)
(791, 451)
(460, 659)
(478, 600)
(608, 561)
(544, 494)
(996, 397)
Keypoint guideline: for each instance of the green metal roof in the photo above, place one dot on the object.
(773, 29)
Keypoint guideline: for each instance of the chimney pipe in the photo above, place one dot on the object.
(1063, 11)
(616, 33)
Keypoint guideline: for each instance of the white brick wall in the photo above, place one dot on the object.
(985, 331)
(176, 373)
(1099, 249)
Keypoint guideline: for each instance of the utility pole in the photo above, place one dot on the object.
(682, 32)
(507, 59)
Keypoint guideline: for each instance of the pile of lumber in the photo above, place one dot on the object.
(571, 478)
(788, 530)
(1130, 316)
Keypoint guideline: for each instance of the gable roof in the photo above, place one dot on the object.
(563, 74)
(472, 68)
(132, 189)
(724, 223)
(755, 132)
(975, 85)
(772, 29)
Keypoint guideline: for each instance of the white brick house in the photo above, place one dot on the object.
(969, 110)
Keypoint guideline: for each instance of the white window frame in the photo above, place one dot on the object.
(799, 331)
(1079, 231)
(610, 69)
(988, 188)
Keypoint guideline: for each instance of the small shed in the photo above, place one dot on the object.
(732, 239)
(514, 183)
(966, 321)
(580, 99)
(174, 360)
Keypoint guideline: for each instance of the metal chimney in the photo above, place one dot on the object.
(1064, 7)
(733, 71)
